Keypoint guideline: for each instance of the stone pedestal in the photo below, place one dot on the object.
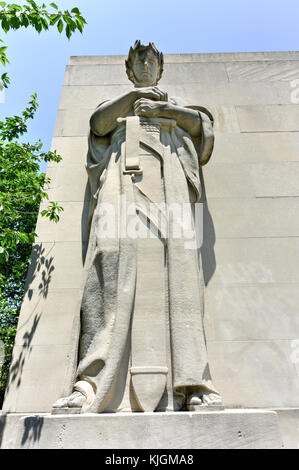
(227, 429)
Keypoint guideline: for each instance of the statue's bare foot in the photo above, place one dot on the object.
(211, 399)
(73, 402)
(193, 402)
(81, 397)
(202, 399)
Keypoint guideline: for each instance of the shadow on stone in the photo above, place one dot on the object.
(40, 262)
(3, 419)
(16, 369)
(209, 237)
(32, 429)
(85, 222)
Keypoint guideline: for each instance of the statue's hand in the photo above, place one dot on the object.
(151, 93)
(148, 108)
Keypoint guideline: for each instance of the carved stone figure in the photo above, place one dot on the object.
(142, 343)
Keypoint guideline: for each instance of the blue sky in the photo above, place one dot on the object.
(38, 61)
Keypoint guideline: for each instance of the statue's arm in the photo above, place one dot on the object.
(186, 118)
(104, 119)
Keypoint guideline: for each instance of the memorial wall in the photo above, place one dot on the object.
(250, 237)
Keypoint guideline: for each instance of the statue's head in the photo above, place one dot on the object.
(144, 64)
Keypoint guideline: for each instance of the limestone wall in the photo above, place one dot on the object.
(251, 243)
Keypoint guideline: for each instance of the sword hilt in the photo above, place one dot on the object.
(132, 161)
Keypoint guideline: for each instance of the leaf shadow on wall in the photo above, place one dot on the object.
(41, 265)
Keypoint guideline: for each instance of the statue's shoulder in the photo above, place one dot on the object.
(180, 102)
(101, 103)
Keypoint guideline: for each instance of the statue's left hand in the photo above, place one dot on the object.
(148, 108)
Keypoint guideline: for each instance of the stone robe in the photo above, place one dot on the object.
(111, 288)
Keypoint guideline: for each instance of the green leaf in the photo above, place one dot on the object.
(67, 19)
(24, 20)
(31, 2)
(68, 31)
(14, 22)
(15, 7)
(60, 25)
(45, 23)
(54, 19)
(2, 4)
(54, 6)
(76, 11)
(3, 58)
(82, 19)
(79, 26)
(5, 80)
(38, 25)
(5, 24)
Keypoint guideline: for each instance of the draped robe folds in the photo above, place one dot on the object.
(111, 262)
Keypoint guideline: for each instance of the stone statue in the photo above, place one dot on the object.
(142, 343)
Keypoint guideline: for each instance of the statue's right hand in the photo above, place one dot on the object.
(151, 93)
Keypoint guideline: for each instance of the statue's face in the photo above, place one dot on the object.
(145, 68)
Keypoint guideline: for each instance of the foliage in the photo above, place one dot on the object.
(22, 187)
(14, 16)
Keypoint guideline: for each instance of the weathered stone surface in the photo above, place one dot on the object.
(228, 429)
(230, 119)
(288, 419)
(70, 217)
(277, 179)
(68, 185)
(212, 57)
(10, 423)
(173, 73)
(8, 429)
(271, 118)
(263, 71)
(41, 316)
(252, 180)
(258, 312)
(73, 150)
(259, 147)
(81, 96)
(225, 119)
(32, 367)
(70, 124)
(223, 94)
(56, 265)
(254, 217)
(252, 260)
(261, 373)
